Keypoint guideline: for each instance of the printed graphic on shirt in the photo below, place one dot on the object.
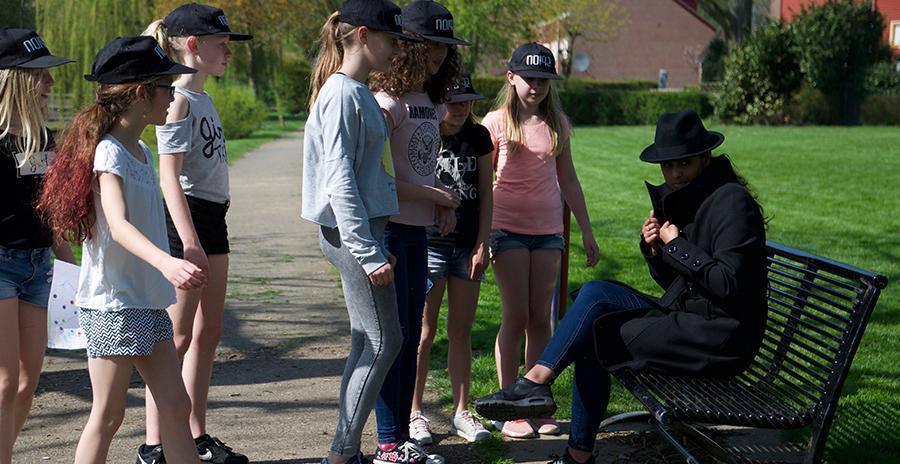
(423, 145)
(387, 159)
(36, 164)
(457, 172)
(213, 142)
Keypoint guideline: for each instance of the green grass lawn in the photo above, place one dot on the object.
(829, 190)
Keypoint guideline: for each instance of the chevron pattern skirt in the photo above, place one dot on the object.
(127, 332)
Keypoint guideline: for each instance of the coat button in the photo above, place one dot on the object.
(672, 249)
(685, 256)
(696, 263)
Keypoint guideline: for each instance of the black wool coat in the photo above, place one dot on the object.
(711, 317)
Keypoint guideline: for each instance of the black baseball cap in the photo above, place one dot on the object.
(197, 19)
(462, 90)
(378, 15)
(23, 48)
(133, 59)
(432, 21)
(534, 60)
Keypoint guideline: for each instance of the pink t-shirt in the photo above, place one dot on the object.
(415, 143)
(527, 199)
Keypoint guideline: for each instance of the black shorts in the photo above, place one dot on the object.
(209, 221)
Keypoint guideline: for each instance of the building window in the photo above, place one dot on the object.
(895, 34)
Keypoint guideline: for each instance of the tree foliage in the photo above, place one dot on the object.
(79, 29)
(837, 44)
(760, 77)
(593, 20)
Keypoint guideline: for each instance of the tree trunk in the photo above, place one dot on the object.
(852, 106)
(743, 17)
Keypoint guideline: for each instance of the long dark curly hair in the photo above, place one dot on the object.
(409, 69)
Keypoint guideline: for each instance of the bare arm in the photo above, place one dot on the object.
(574, 196)
(181, 273)
(479, 260)
(63, 250)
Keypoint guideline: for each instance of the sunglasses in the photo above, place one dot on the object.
(169, 88)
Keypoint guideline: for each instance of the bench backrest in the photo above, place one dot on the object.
(818, 310)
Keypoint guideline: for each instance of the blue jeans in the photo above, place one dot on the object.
(409, 244)
(573, 342)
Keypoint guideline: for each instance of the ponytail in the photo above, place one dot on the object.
(157, 29)
(332, 39)
(67, 198)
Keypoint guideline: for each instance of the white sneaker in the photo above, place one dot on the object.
(466, 425)
(418, 428)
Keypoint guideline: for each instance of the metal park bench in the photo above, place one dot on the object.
(818, 311)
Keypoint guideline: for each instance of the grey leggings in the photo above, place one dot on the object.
(375, 338)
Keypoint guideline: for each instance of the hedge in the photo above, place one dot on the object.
(588, 102)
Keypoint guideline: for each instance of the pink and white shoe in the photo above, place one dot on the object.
(519, 428)
(546, 426)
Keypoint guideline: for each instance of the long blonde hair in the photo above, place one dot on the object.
(333, 37)
(171, 45)
(19, 99)
(549, 110)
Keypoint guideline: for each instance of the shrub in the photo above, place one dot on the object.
(291, 86)
(241, 112)
(714, 60)
(837, 43)
(883, 79)
(882, 110)
(810, 106)
(760, 77)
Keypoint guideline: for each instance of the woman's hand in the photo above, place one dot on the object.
(591, 249)
(478, 261)
(384, 275)
(196, 256)
(183, 274)
(445, 198)
(445, 219)
(650, 232)
(668, 232)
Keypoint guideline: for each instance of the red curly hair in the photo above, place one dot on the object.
(67, 197)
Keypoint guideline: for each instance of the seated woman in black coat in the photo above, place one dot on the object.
(704, 243)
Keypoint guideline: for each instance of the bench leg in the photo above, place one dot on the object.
(664, 432)
(708, 444)
(626, 417)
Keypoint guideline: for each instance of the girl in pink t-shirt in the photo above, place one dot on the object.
(534, 166)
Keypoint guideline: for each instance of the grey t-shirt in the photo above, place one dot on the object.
(204, 171)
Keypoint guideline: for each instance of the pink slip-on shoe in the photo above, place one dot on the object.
(546, 426)
(520, 428)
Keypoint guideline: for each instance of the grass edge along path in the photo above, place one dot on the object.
(827, 190)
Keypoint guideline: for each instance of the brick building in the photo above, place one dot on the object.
(660, 34)
(787, 9)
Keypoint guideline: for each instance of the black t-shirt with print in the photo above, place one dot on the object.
(20, 227)
(457, 168)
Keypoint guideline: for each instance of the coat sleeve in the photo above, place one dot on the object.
(738, 242)
(661, 272)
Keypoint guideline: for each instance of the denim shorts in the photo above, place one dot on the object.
(446, 261)
(26, 275)
(502, 240)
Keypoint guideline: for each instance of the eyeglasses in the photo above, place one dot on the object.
(169, 88)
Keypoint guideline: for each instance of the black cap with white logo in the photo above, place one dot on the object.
(462, 90)
(133, 59)
(378, 15)
(23, 48)
(432, 21)
(534, 60)
(197, 19)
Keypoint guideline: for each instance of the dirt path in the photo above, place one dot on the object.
(285, 338)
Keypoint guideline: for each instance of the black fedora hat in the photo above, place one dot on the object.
(680, 135)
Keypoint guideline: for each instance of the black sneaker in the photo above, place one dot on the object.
(358, 459)
(211, 449)
(406, 452)
(568, 459)
(522, 400)
(150, 455)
